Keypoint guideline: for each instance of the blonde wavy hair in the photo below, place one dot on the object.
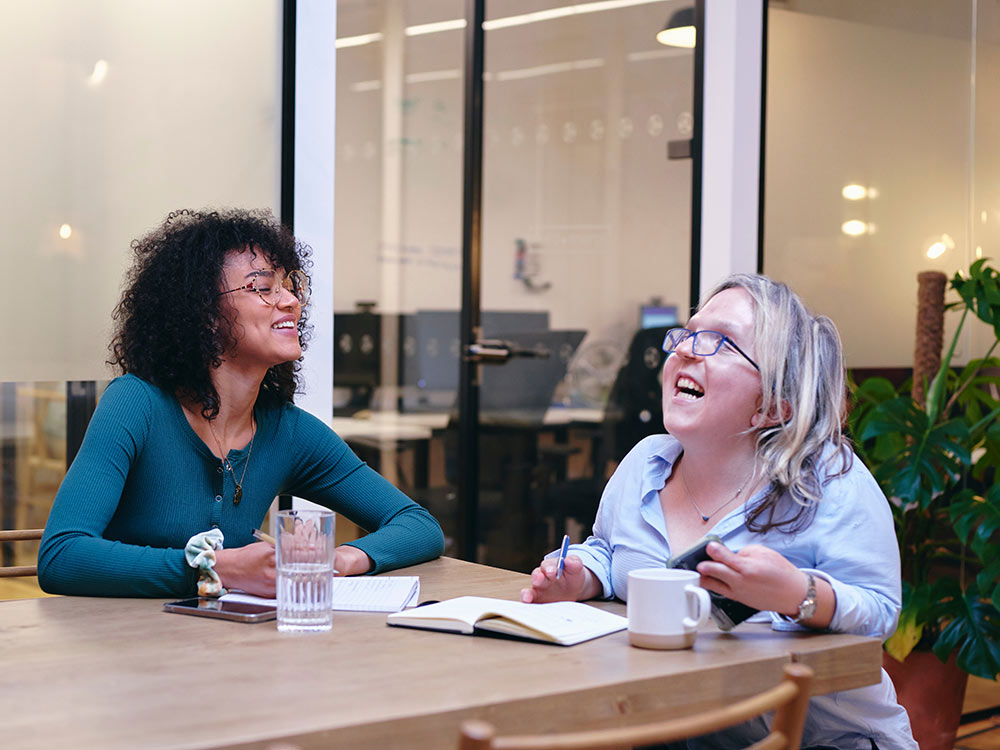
(803, 389)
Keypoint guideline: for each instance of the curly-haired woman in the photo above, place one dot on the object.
(753, 399)
(199, 434)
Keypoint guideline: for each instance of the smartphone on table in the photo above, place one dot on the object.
(223, 610)
(727, 613)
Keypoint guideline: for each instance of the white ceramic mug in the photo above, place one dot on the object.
(666, 606)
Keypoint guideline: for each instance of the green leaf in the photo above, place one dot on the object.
(975, 635)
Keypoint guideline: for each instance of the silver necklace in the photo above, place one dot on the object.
(706, 516)
(238, 494)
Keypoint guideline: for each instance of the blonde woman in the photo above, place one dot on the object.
(753, 401)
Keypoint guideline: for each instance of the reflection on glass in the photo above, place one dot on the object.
(585, 222)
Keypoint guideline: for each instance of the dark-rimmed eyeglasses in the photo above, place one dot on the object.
(703, 343)
(268, 285)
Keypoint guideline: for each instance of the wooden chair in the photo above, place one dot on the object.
(789, 699)
(23, 535)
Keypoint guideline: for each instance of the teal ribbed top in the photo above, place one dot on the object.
(144, 483)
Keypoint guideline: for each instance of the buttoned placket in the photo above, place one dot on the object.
(220, 492)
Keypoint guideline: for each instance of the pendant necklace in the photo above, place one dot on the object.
(706, 516)
(238, 494)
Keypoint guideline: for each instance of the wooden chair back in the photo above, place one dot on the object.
(789, 699)
(22, 535)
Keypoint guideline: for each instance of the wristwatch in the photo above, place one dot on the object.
(808, 606)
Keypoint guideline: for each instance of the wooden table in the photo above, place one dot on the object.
(121, 673)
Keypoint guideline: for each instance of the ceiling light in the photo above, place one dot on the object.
(500, 23)
(854, 192)
(854, 228)
(357, 41)
(99, 73)
(939, 246)
(433, 28)
(679, 31)
(65, 231)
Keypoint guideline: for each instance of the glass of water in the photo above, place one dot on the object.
(304, 560)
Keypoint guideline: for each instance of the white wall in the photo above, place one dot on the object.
(731, 139)
(888, 108)
(187, 116)
(315, 136)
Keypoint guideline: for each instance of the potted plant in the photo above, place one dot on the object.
(937, 461)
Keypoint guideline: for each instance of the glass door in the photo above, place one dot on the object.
(586, 247)
(397, 265)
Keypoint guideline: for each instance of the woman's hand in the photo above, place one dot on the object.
(576, 583)
(350, 561)
(250, 568)
(764, 579)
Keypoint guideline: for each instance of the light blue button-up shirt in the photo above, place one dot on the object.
(850, 542)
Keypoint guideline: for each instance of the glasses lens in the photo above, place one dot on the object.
(264, 284)
(706, 343)
(675, 337)
(298, 284)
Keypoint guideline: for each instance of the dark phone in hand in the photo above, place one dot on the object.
(223, 610)
(727, 613)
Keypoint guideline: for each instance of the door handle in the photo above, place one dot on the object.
(497, 352)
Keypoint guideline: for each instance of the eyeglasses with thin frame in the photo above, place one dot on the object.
(703, 343)
(269, 283)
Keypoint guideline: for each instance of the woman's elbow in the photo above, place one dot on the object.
(435, 539)
(48, 578)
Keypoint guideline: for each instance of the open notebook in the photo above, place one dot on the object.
(361, 594)
(562, 623)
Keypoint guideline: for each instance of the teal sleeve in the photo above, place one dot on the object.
(329, 473)
(74, 558)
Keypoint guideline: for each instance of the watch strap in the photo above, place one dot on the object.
(807, 608)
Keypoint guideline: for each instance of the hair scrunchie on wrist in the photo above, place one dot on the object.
(200, 553)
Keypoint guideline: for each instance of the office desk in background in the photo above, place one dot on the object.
(121, 673)
(391, 432)
(394, 425)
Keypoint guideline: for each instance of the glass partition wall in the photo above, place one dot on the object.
(881, 160)
(115, 114)
(585, 251)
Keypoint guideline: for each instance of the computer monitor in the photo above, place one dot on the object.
(357, 356)
(658, 316)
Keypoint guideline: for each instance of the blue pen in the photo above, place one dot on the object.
(562, 556)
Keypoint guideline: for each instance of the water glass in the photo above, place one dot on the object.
(304, 560)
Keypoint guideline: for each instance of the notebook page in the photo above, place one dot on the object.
(360, 594)
(563, 620)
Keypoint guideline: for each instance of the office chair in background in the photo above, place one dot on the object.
(635, 406)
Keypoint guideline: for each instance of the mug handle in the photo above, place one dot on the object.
(704, 607)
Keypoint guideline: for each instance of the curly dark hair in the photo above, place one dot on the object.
(170, 329)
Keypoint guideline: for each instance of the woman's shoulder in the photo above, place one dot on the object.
(660, 446)
(849, 482)
(131, 390)
(290, 421)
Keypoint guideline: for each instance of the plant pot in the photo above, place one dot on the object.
(932, 694)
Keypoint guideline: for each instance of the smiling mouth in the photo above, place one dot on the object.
(285, 325)
(688, 389)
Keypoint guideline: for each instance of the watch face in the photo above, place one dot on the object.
(808, 606)
(807, 609)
